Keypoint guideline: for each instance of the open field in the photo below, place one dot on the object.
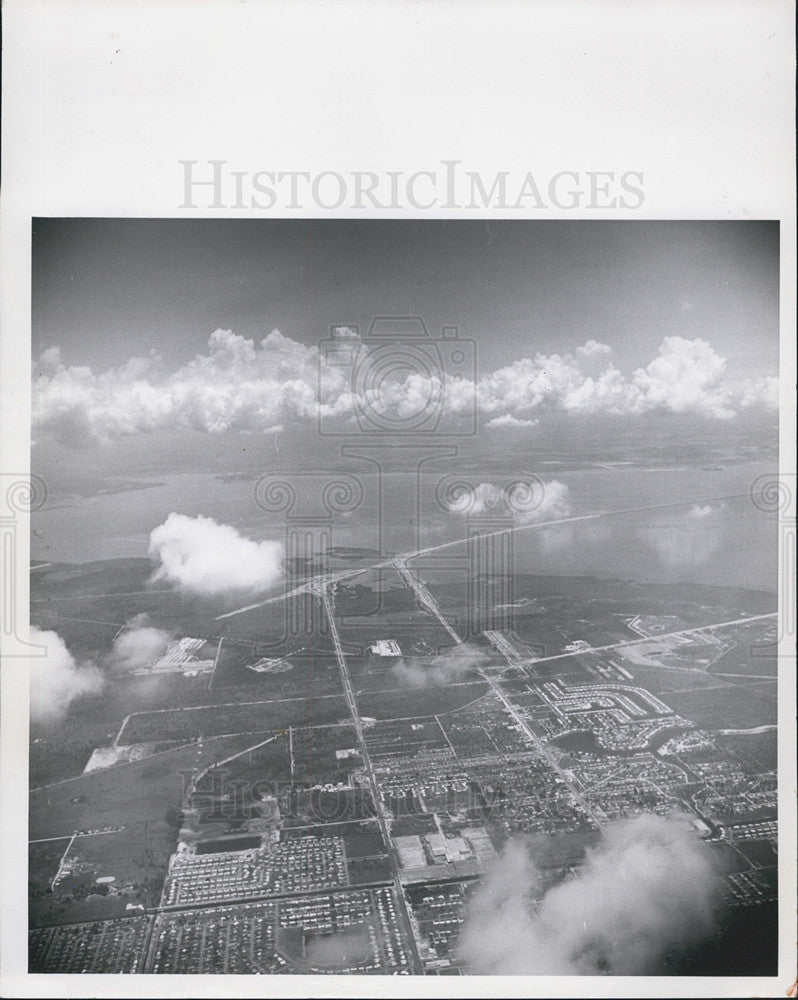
(306, 665)
(418, 702)
(131, 858)
(61, 747)
(724, 707)
(217, 720)
(128, 793)
(756, 752)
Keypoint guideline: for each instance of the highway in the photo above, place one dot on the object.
(324, 591)
(426, 598)
(654, 638)
(395, 561)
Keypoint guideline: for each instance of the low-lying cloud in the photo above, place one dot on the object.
(446, 668)
(526, 501)
(137, 646)
(648, 889)
(57, 679)
(202, 558)
(687, 539)
(241, 385)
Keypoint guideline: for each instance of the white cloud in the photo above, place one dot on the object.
(593, 349)
(56, 678)
(476, 500)
(689, 538)
(648, 888)
(345, 333)
(447, 668)
(508, 420)
(685, 378)
(237, 385)
(246, 386)
(698, 512)
(526, 500)
(137, 646)
(539, 501)
(201, 557)
(760, 392)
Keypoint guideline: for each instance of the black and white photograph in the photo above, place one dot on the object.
(408, 592)
(397, 499)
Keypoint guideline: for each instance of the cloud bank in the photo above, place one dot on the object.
(57, 679)
(243, 386)
(647, 889)
(202, 558)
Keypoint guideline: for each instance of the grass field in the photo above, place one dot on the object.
(217, 720)
(724, 708)
(132, 857)
(418, 702)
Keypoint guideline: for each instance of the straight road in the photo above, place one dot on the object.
(424, 597)
(392, 562)
(531, 661)
(324, 591)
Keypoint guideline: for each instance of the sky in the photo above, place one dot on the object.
(168, 338)
(108, 289)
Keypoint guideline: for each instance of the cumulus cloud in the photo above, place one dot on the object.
(648, 888)
(242, 385)
(760, 393)
(592, 350)
(137, 646)
(201, 557)
(56, 678)
(685, 378)
(446, 668)
(540, 501)
(345, 333)
(526, 500)
(508, 420)
(479, 499)
(237, 385)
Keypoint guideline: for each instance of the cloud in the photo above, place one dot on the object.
(242, 385)
(526, 500)
(508, 420)
(201, 557)
(137, 646)
(760, 393)
(647, 889)
(447, 668)
(685, 378)
(56, 679)
(689, 538)
(345, 333)
(479, 499)
(237, 385)
(698, 511)
(539, 501)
